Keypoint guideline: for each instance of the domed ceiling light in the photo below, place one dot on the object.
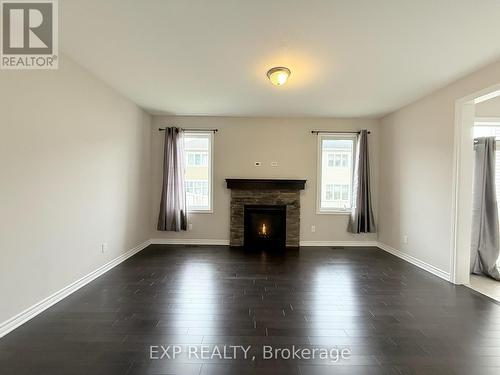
(278, 75)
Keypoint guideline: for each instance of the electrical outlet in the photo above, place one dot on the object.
(274, 164)
(104, 247)
(190, 226)
(405, 239)
(313, 228)
(257, 163)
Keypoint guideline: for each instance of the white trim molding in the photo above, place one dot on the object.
(417, 262)
(188, 241)
(340, 243)
(21, 318)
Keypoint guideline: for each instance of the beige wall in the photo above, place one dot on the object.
(416, 171)
(242, 141)
(74, 172)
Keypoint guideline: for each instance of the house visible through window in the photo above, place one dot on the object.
(331, 158)
(338, 159)
(345, 162)
(198, 175)
(329, 192)
(335, 159)
(336, 192)
(197, 159)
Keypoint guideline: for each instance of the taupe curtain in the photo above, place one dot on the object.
(173, 215)
(485, 244)
(361, 220)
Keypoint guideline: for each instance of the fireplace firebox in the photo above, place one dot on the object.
(265, 226)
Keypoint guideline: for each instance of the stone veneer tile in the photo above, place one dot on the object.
(290, 198)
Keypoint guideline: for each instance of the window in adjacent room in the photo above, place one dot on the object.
(198, 175)
(335, 171)
(491, 129)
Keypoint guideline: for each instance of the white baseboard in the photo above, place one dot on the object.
(340, 243)
(188, 241)
(21, 318)
(417, 262)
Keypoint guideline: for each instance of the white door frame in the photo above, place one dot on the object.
(462, 182)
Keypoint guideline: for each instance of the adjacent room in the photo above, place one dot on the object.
(249, 187)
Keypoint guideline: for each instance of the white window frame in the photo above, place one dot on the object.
(335, 136)
(210, 164)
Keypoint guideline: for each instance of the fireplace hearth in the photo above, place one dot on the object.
(265, 227)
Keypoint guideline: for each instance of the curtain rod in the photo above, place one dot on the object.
(194, 130)
(476, 140)
(334, 132)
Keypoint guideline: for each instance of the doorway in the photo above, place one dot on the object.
(477, 115)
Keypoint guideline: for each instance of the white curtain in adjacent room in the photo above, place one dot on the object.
(485, 240)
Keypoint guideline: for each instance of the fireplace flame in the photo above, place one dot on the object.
(263, 230)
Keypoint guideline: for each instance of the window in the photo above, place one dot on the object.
(336, 192)
(338, 160)
(345, 192)
(198, 174)
(329, 192)
(197, 159)
(345, 162)
(491, 130)
(331, 158)
(335, 172)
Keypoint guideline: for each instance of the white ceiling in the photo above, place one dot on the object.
(349, 58)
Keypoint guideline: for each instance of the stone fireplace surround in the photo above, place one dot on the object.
(265, 192)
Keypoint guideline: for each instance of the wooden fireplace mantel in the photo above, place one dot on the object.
(264, 184)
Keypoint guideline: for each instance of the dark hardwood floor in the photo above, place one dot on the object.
(393, 317)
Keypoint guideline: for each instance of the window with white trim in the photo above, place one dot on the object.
(335, 172)
(198, 173)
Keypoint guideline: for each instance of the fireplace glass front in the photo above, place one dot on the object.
(265, 226)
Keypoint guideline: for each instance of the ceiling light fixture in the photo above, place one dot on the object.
(278, 75)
